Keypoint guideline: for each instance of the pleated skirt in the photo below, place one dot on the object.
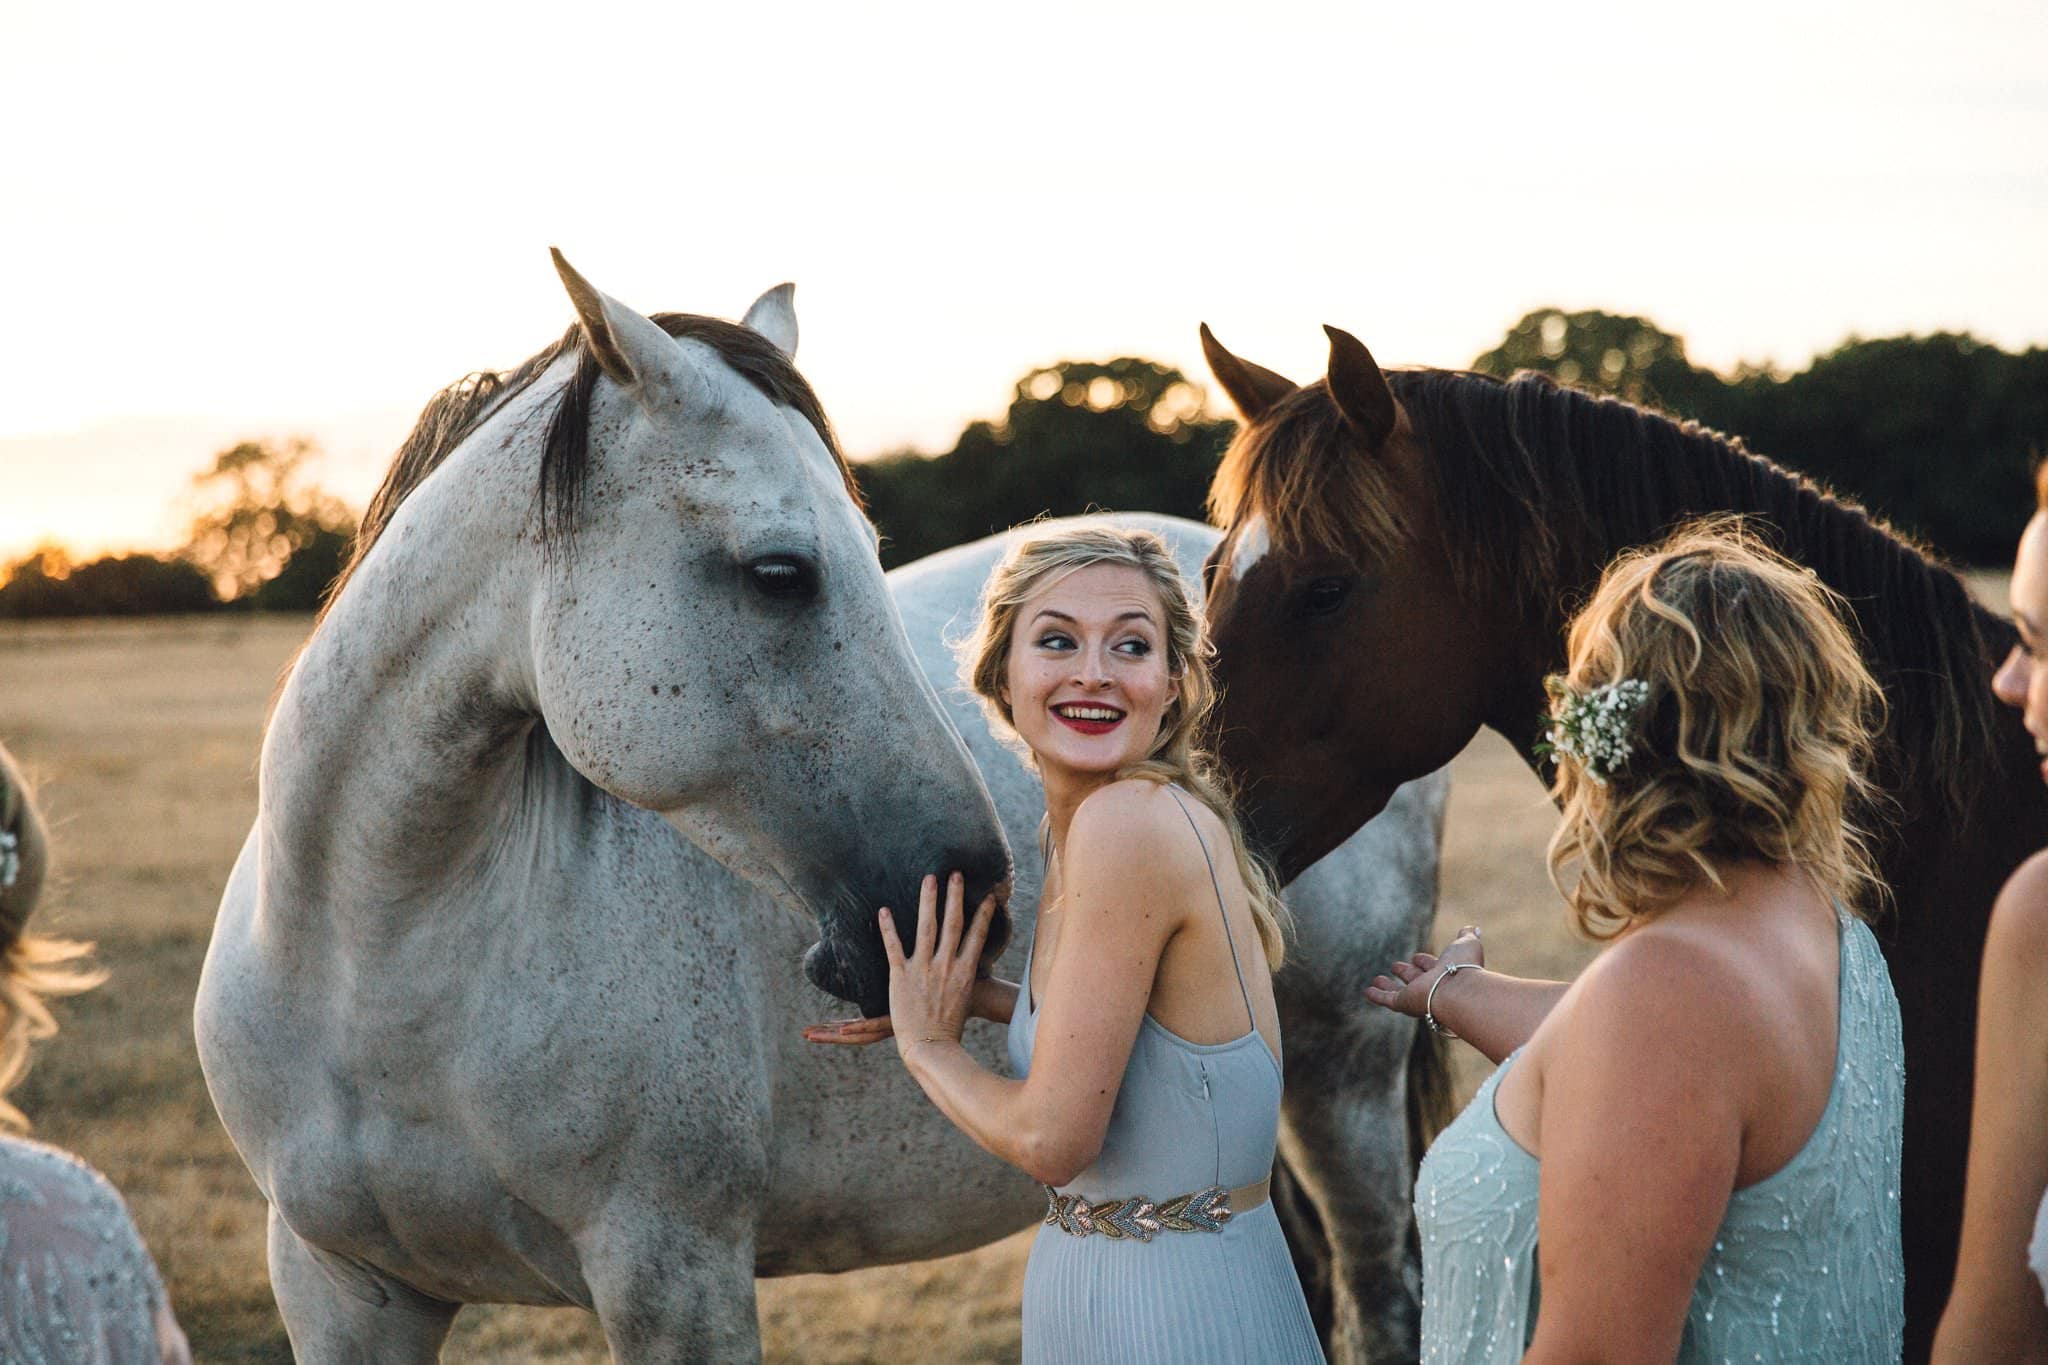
(1181, 1299)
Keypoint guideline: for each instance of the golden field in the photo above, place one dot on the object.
(142, 736)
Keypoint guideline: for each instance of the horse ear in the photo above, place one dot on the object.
(774, 316)
(1253, 388)
(1359, 389)
(627, 345)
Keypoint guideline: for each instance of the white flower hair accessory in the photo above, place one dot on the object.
(1596, 728)
(10, 858)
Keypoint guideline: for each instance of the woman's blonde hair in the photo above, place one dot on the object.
(32, 967)
(1178, 754)
(1754, 739)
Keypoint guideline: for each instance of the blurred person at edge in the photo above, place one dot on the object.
(1706, 1126)
(1998, 1309)
(76, 1283)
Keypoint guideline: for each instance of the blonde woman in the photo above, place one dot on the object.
(1692, 1151)
(76, 1283)
(1998, 1309)
(1144, 1036)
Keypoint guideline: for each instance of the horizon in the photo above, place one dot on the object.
(231, 242)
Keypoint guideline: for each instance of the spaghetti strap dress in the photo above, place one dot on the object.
(1188, 1117)
(1806, 1264)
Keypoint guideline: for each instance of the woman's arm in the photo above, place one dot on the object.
(1640, 1124)
(1116, 927)
(1996, 1310)
(1494, 1013)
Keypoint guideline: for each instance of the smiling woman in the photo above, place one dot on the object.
(1145, 1042)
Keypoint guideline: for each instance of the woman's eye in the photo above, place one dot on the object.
(1054, 640)
(1137, 649)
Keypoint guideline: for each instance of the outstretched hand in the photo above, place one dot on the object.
(1405, 989)
(851, 1032)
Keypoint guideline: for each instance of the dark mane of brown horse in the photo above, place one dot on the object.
(455, 412)
(1539, 486)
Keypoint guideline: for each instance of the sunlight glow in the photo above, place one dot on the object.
(237, 220)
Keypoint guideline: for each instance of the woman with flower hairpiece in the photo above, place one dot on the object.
(1692, 1151)
(1998, 1307)
(76, 1283)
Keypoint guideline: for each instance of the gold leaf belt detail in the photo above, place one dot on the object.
(1138, 1219)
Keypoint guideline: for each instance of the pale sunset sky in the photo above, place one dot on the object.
(237, 220)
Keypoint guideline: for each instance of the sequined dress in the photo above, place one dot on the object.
(76, 1285)
(1188, 1115)
(1806, 1265)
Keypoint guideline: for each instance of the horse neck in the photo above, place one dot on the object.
(398, 743)
(1669, 473)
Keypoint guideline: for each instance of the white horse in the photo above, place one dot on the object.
(486, 1029)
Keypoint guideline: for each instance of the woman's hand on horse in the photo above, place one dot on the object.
(850, 1032)
(932, 987)
(994, 1000)
(1405, 987)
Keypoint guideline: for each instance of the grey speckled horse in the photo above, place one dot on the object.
(487, 1029)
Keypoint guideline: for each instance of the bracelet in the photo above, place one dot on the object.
(1450, 970)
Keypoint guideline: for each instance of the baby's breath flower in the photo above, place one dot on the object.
(1596, 730)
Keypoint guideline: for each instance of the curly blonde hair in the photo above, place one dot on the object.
(33, 967)
(1754, 740)
(1178, 753)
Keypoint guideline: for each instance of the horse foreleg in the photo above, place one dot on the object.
(338, 1313)
(1347, 1156)
(679, 1294)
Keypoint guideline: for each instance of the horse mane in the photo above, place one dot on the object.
(454, 414)
(1537, 486)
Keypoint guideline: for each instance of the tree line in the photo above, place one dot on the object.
(1936, 433)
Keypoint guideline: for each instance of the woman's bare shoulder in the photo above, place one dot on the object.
(1133, 808)
(1667, 982)
(1135, 822)
(2019, 920)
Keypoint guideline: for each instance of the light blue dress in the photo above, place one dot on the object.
(1188, 1116)
(1805, 1266)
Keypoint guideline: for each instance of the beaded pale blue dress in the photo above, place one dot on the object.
(1187, 1116)
(76, 1285)
(1806, 1264)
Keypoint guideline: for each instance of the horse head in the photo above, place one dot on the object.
(713, 639)
(1349, 657)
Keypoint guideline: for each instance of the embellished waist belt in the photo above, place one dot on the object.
(1139, 1219)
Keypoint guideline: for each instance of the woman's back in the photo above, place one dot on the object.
(1130, 1242)
(1806, 1263)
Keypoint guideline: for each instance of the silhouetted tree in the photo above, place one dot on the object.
(48, 584)
(1125, 435)
(262, 517)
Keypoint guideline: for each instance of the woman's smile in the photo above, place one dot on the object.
(1090, 718)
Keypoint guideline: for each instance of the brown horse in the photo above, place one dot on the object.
(1401, 553)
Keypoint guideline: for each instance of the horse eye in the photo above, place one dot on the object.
(784, 577)
(1324, 596)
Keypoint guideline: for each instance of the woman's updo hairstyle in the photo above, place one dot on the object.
(1752, 740)
(32, 967)
(1179, 753)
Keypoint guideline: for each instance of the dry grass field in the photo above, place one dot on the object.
(143, 737)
